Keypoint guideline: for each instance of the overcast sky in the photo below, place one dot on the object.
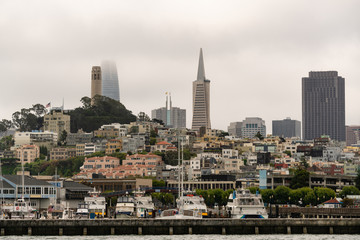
(255, 53)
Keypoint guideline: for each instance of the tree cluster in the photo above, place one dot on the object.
(104, 110)
(27, 119)
(214, 196)
(302, 196)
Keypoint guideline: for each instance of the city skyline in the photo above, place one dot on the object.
(255, 58)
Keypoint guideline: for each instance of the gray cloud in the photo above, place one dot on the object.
(255, 53)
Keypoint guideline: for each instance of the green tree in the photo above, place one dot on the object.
(357, 180)
(347, 202)
(310, 198)
(324, 194)
(158, 183)
(44, 150)
(287, 152)
(253, 190)
(282, 194)
(297, 196)
(300, 179)
(268, 195)
(6, 142)
(152, 141)
(349, 190)
(259, 136)
(104, 111)
(63, 138)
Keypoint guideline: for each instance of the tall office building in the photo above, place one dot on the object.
(286, 128)
(201, 98)
(248, 128)
(96, 82)
(235, 129)
(171, 116)
(323, 105)
(110, 82)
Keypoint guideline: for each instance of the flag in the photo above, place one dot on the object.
(47, 105)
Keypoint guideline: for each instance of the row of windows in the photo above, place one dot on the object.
(37, 190)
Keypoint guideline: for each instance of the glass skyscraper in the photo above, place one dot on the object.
(323, 105)
(110, 82)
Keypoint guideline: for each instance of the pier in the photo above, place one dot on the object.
(184, 226)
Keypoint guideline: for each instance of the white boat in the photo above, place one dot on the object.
(144, 206)
(82, 211)
(125, 206)
(193, 203)
(242, 204)
(22, 210)
(97, 204)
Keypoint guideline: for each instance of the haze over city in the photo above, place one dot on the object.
(255, 53)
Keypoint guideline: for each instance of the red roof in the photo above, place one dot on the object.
(163, 143)
(332, 201)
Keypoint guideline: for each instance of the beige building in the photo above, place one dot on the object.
(28, 153)
(100, 163)
(112, 146)
(201, 98)
(96, 82)
(80, 149)
(108, 131)
(56, 121)
(62, 153)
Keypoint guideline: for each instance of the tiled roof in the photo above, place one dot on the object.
(332, 201)
(163, 143)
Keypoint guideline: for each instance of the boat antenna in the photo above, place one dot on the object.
(2, 190)
(179, 184)
(22, 180)
(182, 168)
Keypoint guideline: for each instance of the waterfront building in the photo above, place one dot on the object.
(286, 128)
(352, 135)
(57, 122)
(323, 105)
(201, 98)
(110, 82)
(38, 193)
(96, 82)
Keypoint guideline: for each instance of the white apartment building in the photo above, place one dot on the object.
(35, 138)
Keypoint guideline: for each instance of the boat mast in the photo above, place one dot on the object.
(2, 190)
(22, 179)
(179, 170)
(182, 168)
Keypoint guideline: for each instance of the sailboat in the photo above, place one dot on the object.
(189, 206)
(21, 208)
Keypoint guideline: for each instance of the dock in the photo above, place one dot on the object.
(174, 227)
